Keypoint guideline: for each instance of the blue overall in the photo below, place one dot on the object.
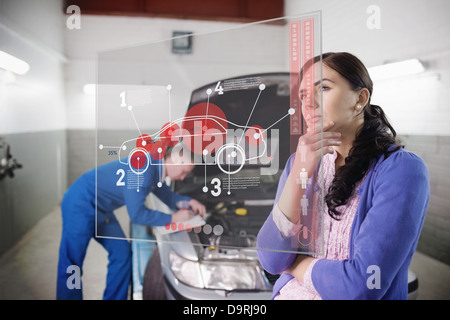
(81, 223)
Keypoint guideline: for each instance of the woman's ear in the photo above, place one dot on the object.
(363, 97)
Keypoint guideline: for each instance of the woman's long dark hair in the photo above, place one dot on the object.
(376, 137)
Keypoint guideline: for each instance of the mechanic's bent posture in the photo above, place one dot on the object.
(79, 221)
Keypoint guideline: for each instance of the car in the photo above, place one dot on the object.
(219, 259)
(187, 264)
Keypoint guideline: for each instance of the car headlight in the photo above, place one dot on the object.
(186, 271)
(219, 275)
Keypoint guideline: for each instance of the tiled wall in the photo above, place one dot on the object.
(81, 148)
(37, 187)
(435, 151)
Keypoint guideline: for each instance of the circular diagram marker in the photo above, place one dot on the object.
(197, 229)
(254, 135)
(207, 229)
(238, 159)
(218, 230)
(305, 236)
(158, 150)
(138, 160)
(144, 141)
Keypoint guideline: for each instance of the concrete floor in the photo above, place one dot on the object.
(28, 270)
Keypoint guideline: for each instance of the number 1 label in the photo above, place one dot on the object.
(122, 96)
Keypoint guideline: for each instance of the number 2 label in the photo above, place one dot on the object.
(119, 182)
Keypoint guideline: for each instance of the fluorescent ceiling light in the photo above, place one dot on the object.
(396, 69)
(7, 77)
(89, 88)
(13, 64)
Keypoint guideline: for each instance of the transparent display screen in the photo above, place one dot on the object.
(231, 107)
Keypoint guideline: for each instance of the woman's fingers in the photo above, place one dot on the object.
(325, 143)
(326, 126)
(322, 132)
(312, 146)
(310, 139)
(314, 142)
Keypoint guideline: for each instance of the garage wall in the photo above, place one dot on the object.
(32, 115)
(63, 60)
(435, 151)
(35, 189)
(210, 57)
(417, 106)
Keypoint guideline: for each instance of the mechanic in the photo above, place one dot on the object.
(81, 223)
(376, 195)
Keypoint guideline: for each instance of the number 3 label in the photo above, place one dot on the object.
(217, 190)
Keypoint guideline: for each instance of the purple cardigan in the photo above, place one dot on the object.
(393, 201)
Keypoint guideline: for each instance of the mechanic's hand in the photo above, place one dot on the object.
(197, 207)
(182, 215)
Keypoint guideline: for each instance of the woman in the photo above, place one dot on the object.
(81, 223)
(376, 195)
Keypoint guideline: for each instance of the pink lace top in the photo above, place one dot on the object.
(336, 236)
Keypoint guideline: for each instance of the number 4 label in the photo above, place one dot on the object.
(219, 88)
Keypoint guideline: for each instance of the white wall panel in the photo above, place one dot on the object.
(408, 29)
(33, 32)
(215, 56)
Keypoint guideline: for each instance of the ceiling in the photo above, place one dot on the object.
(222, 10)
